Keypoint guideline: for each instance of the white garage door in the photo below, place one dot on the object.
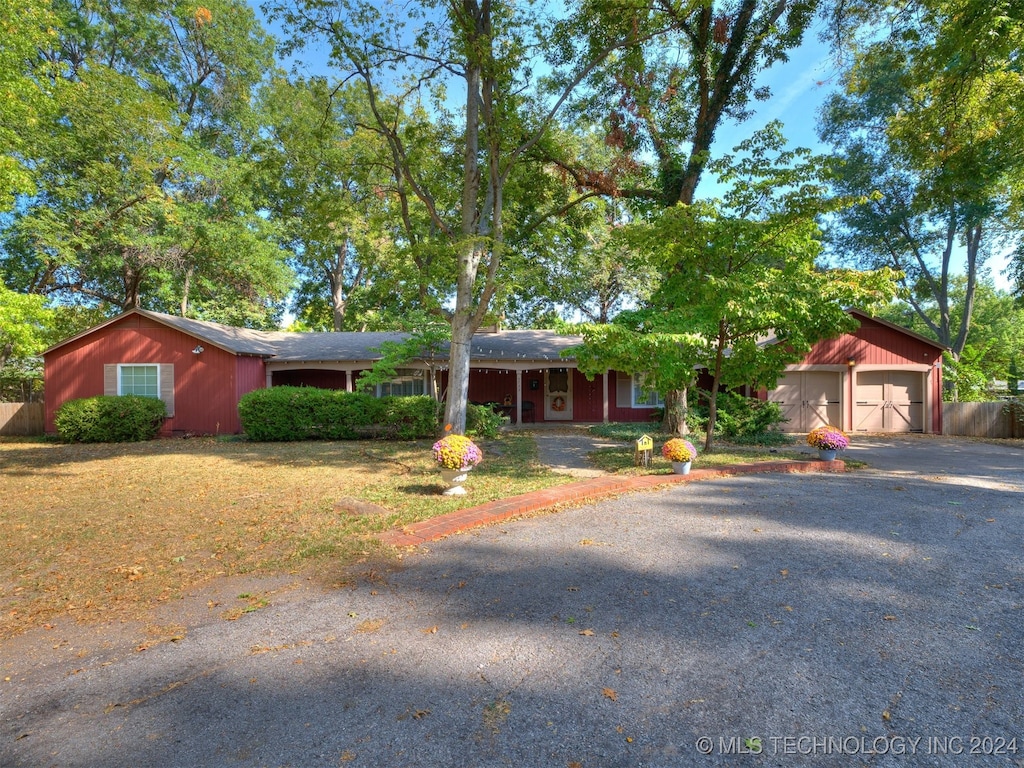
(809, 399)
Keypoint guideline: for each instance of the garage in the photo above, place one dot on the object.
(878, 378)
(809, 399)
(889, 401)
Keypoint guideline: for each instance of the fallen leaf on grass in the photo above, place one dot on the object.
(609, 693)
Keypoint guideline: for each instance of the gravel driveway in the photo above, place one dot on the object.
(874, 618)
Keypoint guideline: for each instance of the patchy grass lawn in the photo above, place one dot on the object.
(620, 462)
(108, 532)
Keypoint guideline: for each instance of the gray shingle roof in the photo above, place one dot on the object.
(241, 341)
(285, 346)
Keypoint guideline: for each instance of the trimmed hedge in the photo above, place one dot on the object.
(310, 413)
(110, 419)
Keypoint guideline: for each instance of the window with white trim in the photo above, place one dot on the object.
(408, 382)
(141, 380)
(645, 398)
(630, 393)
(144, 379)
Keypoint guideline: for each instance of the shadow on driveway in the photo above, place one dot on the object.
(856, 612)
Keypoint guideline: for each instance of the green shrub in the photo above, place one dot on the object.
(310, 413)
(482, 421)
(745, 420)
(409, 418)
(110, 419)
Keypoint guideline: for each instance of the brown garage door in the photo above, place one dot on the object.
(808, 399)
(889, 401)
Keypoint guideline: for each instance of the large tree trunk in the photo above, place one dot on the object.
(458, 375)
(464, 323)
(677, 408)
(336, 279)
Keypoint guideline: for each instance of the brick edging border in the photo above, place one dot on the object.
(584, 491)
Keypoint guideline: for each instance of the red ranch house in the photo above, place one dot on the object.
(201, 370)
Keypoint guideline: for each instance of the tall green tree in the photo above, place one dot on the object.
(693, 69)
(25, 324)
(739, 271)
(26, 26)
(470, 65)
(356, 237)
(143, 187)
(930, 120)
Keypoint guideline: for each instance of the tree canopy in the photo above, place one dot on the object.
(740, 292)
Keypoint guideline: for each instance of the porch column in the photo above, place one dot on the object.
(519, 397)
(270, 378)
(348, 381)
(604, 398)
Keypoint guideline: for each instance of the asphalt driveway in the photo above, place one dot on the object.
(874, 618)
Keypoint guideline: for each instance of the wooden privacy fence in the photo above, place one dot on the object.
(21, 418)
(998, 419)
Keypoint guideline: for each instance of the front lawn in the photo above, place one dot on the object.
(108, 531)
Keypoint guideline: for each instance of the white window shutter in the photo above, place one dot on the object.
(167, 386)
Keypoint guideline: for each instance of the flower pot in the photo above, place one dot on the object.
(681, 467)
(826, 455)
(454, 478)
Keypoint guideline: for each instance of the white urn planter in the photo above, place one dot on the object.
(454, 479)
(681, 467)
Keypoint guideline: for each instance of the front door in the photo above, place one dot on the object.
(558, 394)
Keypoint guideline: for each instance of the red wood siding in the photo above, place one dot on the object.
(206, 385)
(491, 386)
(873, 344)
(587, 397)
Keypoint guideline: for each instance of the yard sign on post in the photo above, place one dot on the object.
(642, 452)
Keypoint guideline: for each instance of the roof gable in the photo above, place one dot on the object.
(862, 316)
(237, 341)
